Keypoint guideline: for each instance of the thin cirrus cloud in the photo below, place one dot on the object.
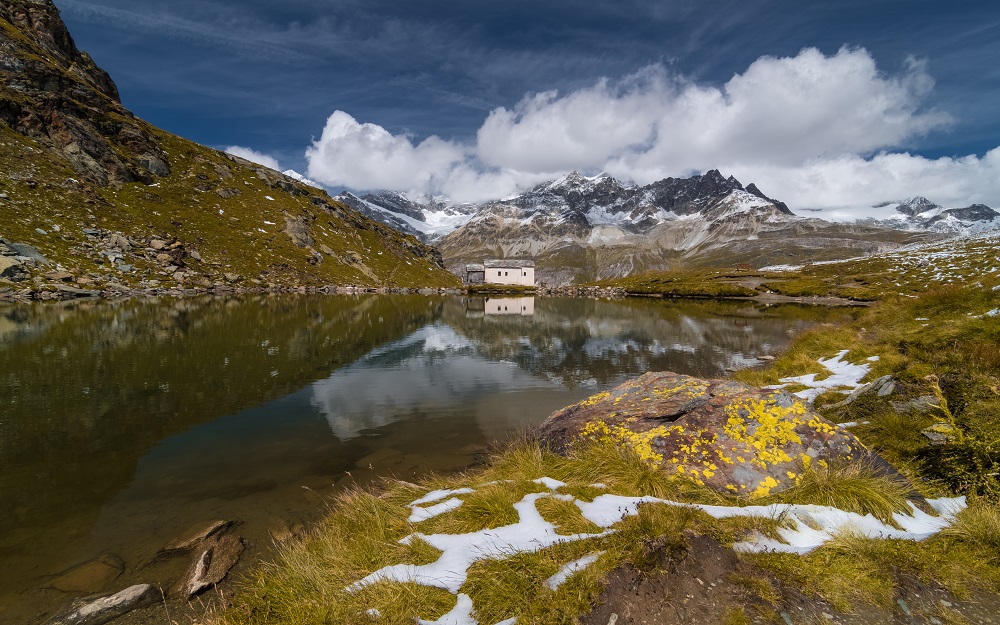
(817, 131)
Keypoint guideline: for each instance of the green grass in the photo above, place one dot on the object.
(852, 487)
(308, 581)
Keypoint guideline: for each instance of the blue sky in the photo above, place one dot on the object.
(444, 94)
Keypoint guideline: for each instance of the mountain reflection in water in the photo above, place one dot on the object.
(122, 423)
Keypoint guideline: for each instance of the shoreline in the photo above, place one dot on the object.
(67, 293)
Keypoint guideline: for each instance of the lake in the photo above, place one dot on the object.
(125, 423)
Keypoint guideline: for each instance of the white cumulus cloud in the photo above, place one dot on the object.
(367, 156)
(816, 131)
(254, 156)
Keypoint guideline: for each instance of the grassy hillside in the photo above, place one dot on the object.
(237, 223)
(99, 199)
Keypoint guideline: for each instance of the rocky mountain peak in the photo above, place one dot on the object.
(916, 205)
(56, 95)
(40, 22)
(974, 212)
(397, 203)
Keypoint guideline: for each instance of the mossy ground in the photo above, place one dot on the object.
(309, 580)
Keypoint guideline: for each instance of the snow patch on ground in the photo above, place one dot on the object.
(810, 527)
(844, 376)
(572, 568)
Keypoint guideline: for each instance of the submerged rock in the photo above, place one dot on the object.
(194, 536)
(105, 609)
(90, 576)
(720, 433)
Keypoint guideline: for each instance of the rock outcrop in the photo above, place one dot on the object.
(720, 433)
(58, 96)
(214, 559)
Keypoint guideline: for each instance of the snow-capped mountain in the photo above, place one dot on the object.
(427, 220)
(583, 228)
(919, 213)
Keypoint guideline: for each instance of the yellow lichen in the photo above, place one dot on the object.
(764, 487)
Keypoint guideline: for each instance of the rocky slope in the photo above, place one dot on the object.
(95, 199)
(580, 228)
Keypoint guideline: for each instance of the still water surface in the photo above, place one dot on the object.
(124, 423)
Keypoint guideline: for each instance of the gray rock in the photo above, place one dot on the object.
(28, 251)
(883, 386)
(75, 292)
(61, 276)
(887, 389)
(211, 565)
(108, 608)
(157, 244)
(11, 268)
(119, 241)
(195, 255)
(940, 433)
(922, 404)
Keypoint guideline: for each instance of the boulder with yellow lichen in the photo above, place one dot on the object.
(721, 433)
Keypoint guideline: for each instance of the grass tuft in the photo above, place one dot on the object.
(854, 487)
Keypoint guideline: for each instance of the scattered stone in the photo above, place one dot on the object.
(75, 292)
(164, 259)
(194, 536)
(765, 358)
(12, 269)
(105, 609)
(940, 433)
(90, 576)
(210, 566)
(195, 255)
(721, 433)
(232, 277)
(922, 405)
(227, 192)
(61, 276)
(28, 252)
(883, 386)
(120, 242)
(299, 230)
(157, 244)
